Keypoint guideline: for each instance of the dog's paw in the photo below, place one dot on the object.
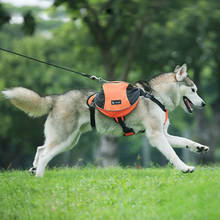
(201, 149)
(197, 148)
(188, 169)
(32, 170)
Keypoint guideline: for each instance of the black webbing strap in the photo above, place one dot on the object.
(92, 115)
(127, 131)
(92, 111)
(152, 98)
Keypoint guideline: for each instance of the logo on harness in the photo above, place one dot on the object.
(116, 102)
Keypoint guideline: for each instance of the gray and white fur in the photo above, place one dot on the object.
(69, 117)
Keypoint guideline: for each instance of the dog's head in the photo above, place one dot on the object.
(188, 90)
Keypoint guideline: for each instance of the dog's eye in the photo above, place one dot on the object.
(193, 90)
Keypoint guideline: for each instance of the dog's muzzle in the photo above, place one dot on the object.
(203, 104)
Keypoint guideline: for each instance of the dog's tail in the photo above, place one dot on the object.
(29, 101)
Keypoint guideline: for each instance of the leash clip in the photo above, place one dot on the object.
(148, 95)
(97, 78)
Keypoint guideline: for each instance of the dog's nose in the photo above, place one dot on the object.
(203, 104)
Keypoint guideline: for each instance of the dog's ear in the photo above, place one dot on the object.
(181, 74)
(176, 68)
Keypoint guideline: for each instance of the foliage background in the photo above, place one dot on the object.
(128, 40)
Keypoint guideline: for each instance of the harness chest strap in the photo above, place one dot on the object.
(127, 131)
(166, 117)
(152, 98)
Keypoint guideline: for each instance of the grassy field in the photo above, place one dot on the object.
(115, 193)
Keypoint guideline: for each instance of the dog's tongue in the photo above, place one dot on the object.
(188, 104)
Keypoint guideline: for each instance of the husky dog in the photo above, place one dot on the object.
(69, 117)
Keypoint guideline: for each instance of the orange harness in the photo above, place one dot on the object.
(116, 100)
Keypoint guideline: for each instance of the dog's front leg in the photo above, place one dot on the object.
(159, 140)
(181, 142)
(186, 143)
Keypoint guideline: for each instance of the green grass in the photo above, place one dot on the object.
(114, 193)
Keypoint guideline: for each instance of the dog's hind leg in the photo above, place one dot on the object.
(53, 149)
(181, 142)
(63, 127)
(36, 158)
(39, 151)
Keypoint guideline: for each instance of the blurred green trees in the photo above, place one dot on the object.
(4, 16)
(126, 40)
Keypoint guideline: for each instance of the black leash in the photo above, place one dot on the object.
(92, 77)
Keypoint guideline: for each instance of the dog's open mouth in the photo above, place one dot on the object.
(188, 104)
